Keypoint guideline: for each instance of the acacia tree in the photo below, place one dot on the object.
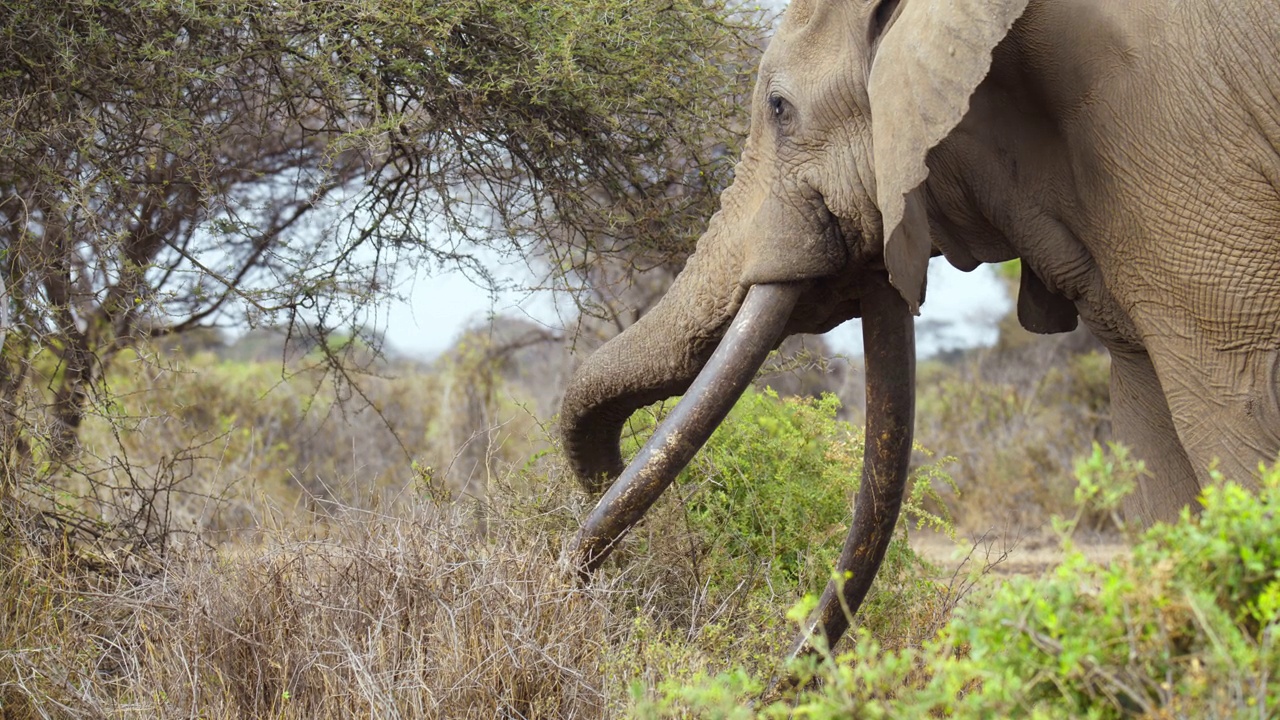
(173, 164)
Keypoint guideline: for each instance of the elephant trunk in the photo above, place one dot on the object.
(656, 358)
(650, 361)
(756, 330)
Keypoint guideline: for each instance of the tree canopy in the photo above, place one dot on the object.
(171, 164)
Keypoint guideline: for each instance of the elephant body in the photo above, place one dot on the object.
(1127, 152)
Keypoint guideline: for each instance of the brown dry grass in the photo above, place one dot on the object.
(411, 617)
(404, 612)
(1014, 426)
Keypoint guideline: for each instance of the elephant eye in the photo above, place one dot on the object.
(783, 111)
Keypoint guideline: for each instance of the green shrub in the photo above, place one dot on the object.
(771, 492)
(1184, 627)
(753, 525)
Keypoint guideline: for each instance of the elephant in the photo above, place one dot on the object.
(1128, 153)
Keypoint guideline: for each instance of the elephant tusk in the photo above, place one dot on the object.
(888, 332)
(755, 332)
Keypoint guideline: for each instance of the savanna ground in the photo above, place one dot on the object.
(1019, 553)
(299, 559)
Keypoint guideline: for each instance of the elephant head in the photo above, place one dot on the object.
(824, 222)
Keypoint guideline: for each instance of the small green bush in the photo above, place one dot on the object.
(753, 525)
(774, 486)
(770, 495)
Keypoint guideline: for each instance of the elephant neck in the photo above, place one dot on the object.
(1060, 55)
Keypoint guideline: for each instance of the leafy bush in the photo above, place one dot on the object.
(754, 524)
(1184, 627)
(772, 490)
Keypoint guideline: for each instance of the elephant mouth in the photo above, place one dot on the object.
(836, 297)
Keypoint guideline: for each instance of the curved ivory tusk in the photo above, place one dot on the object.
(755, 331)
(888, 333)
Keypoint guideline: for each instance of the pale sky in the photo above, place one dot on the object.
(438, 308)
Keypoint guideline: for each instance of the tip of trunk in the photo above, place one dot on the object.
(593, 415)
(656, 358)
(590, 434)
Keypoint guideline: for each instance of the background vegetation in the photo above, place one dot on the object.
(168, 166)
(306, 577)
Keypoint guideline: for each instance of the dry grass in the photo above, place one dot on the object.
(406, 612)
(1014, 425)
(306, 568)
(410, 617)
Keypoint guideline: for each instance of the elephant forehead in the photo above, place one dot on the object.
(798, 13)
(823, 27)
(808, 13)
(820, 60)
(822, 74)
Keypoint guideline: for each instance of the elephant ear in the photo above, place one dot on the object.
(926, 66)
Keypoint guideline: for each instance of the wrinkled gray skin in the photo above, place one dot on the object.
(1127, 152)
